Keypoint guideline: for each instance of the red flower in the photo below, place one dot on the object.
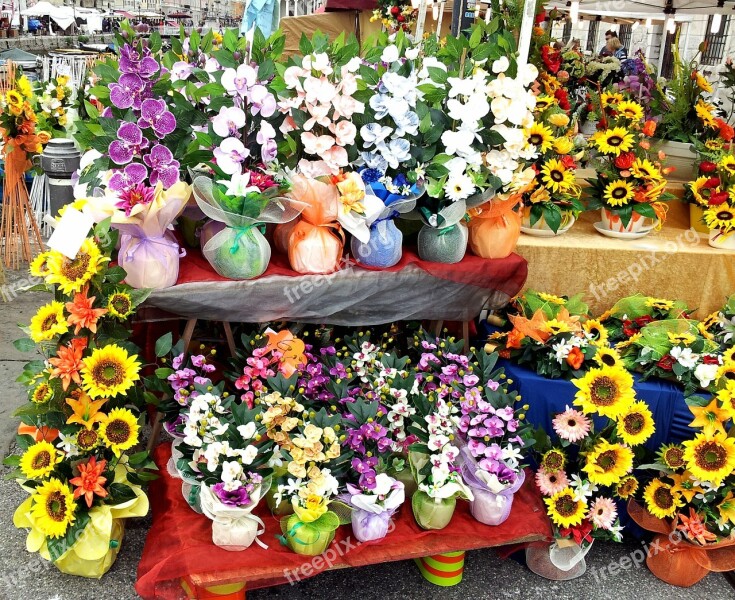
(727, 133)
(707, 166)
(666, 363)
(643, 320)
(568, 162)
(625, 160)
(400, 18)
(395, 11)
(708, 359)
(579, 532)
(551, 58)
(562, 98)
(717, 198)
(629, 328)
(712, 182)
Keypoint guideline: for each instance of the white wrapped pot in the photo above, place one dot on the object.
(234, 528)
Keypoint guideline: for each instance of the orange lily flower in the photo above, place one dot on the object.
(694, 529)
(86, 411)
(45, 433)
(68, 362)
(82, 314)
(709, 418)
(292, 350)
(90, 481)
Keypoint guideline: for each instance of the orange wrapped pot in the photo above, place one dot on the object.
(315, 249)
(282, 233)
(494, 228)
(321, 199)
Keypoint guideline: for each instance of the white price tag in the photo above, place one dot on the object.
(70, 232)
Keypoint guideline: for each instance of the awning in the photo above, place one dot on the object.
(179, 15)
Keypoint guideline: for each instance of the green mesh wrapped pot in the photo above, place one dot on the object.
(430, 513)
(445, 245)
(310, 539)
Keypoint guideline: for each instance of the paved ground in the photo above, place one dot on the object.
(24, 576)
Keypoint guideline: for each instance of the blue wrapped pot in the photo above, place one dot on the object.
(383, 250)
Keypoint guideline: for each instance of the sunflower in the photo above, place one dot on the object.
(660, 500)
(556, 177)
(729, 355)
(714, 144)
(53, 508)
(119, 432)
(87, 439)
(618, 193)
(672, 455)
(645, 169)
(555, 327)
(614, 141)
(73, 275)
(541, 136)
(596, 331)
(39, 460)
(630, 110)
(48, 322)
(609, 100)
(705, 113)
(544, 101)
(710, 458)
(13, 98)
(696, 188)
(551, 299)
(626, 487)
(564, 510)
(728, 164)
(553, 461)
(607, 464)
(39, 266)
(608, 357)
(636, 425)
(607, 391)
(720, 217)
(109, 371)
(726, 372)
(702, 82)
(726, 396)
(42, 393)
(681, 339)
(120, 305)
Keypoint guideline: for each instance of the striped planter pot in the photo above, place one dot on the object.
(442, 569)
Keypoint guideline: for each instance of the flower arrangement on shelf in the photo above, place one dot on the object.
(691, 493)
(629, 315)
(55, 100)
(553, 200)
(709, 196)
(630, 188)
(395, 15)
(721, 324)
(590, 461)
(82, 421)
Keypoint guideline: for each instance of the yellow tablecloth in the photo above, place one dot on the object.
(674, 263)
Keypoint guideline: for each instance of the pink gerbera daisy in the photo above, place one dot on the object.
(571, 425)
(603, 513)
(551, 483)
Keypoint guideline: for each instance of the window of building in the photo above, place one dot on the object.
(715, 42)
(592, 35)
(624, 34)
(567, 33)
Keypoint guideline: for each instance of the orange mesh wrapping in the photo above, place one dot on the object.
(495, 228)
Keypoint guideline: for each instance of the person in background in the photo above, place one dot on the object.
(616, 48)
(604, 51)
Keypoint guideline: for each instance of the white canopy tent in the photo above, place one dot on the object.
(63, 16)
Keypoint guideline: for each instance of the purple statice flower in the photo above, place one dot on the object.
(136, 195)
(163, 166)
(153, 114)
(131, 175)
(129, 141)
(126, 93)
(238, 497)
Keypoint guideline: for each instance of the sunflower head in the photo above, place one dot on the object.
(607, 463)
(728, 164)
(109, 371)
(607, 357)
(53, 508)
(543, 102)
(120, 305)
(596, 331)
(541, 136)
(87, 439)
(636, 424)
(38, 267)
(646, 170)
(610, 100)
(661, 501)
(564, 510)
(14, 98)
(119, 431)
(627, 487)
(551, 299)
(618, 193)
(553, 461)
(556, 176)
(720, 217)
(39, 460)
(48, 322)
(607, 391)
(681, 339)
(73, 274)
(710, 458)
(630, 110)
(672, 455)
(555, 327)
(725, 373)
(614, 141)
(42, 393)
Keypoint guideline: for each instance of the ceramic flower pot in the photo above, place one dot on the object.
(546, 561)
(447, 245)
(430, 513)
(383, 250)
(541, 228)
(637, 224)
(494, 509)
(723, 241)
(696, 219)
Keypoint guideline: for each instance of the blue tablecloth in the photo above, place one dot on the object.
(546, 397)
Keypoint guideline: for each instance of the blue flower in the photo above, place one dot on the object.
(370, 175)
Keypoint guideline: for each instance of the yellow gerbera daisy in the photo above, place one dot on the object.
(53, 508)
(672, 455)
(660, 500)
(73, 275)
(556, 177)
(42, 393)
(596, 330)
(120, 305)
(630, 110)
(119, 432)
(710, 458)
(645, 169)
(607, 391)
(614, 141)
(559, 120)
(38, 267)
(636, 425)
(727, 163)
(618, 193)
(626, 487)
(555, 327)
(109, 371)
(608, 357)
(607, 464)
(563, 145)
(564, 510)
(705, 112)
(608, 99)
(13, 98)
(39, 460)
(48, 322)
(541, 136)
(720, 217)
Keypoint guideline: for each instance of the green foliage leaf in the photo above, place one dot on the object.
(164, 344)
(24, 345)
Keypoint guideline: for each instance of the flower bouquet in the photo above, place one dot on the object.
(83, 417)
(630, 188)
(721, 324)
(56, 99)
(588, 464)
(395, 15)
(690, 503)
(473, 127)
(389, 144)
(373, 506)
(710, 199)
(630, 314)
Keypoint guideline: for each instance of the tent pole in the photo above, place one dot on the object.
(420, 22)
(524, 39)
